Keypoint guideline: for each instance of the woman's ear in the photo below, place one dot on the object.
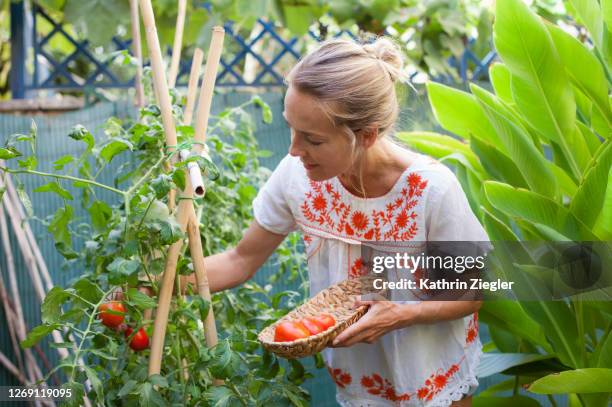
(368, 137)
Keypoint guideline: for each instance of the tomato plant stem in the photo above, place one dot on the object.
(67, 177)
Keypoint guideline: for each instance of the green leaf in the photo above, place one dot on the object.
(158, 380)
(59, 228)
(500, 79)
(98, 20)
(460, 113)
(161, 185)
(178, 177)
(96, 383)
(221, 396)
(114, 147)
(37, 334)
(62, 161)
(541, 90)
(140, 300)
(298, 18)
(8, 153)
(120, 269)
(225, 362)
(87, 289)
(510, 316)
(592, 380)
(149, 397)
(511, 401)
(127, 388)
(492, 363)
(439, 146)
(603, 225)
(266, 112)
(51, 307)
(55, 188)
(589, 199)
(497, 164)
(170, 231)
(589, 14)
(532, 165)
(80, 133)
(522, 204)
(100, 214)
(29, 163)
(25, 199)
(584, 70)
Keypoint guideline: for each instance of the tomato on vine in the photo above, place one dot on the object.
(140, 340)
(116, 315)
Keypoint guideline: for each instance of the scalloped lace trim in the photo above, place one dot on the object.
(444, 399)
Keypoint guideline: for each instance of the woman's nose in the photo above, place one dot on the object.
(295, 149)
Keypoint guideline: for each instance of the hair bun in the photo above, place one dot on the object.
(388, 52)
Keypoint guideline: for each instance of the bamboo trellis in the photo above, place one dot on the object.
(185, 213)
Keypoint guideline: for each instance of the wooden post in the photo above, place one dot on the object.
(192, 88)
(137, 51)
(178, 40)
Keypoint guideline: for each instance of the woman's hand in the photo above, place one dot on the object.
(382, 316)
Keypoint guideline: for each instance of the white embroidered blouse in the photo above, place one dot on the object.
(431, 365)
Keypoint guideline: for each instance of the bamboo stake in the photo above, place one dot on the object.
(9, 315)
(159, 76)
(178, 40)
(208, 85)
(192, 88)
(137, 51)
(12, 369)
(31, 253)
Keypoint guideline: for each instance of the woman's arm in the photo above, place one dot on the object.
(236, 265)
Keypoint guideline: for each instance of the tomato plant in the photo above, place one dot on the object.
(124, 241)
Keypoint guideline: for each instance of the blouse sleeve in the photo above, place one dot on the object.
(451, 218)
(271, 207)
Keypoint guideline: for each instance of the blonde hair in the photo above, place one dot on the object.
(355, 84)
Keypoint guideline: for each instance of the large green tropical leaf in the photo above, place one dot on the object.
(593, 380)
(532, 165)
(584, 70)
(459, 113)
(603, 224)
(536, 208)
(492, 363)
(590, 196)
(512, 401)
(439, 146)
(501, 80)
(497, 164)
(589, 13)
(541, 90)
(509, 315)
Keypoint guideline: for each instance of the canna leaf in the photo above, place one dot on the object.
(541, 90)
(532, 165)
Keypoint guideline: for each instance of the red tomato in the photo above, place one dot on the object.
(313, 325)
(140, 340)
(115, 318)
(325, 320)
(289, 331)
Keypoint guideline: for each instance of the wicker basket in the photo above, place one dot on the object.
(337, 301)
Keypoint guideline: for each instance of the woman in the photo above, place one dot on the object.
(344, 182)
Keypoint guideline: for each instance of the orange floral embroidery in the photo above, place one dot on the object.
(323, 206)
(341, 378)
(436, 383)
(378, 386)
(358, 269)
(472, 332)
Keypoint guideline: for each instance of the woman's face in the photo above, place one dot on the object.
(322, 147)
